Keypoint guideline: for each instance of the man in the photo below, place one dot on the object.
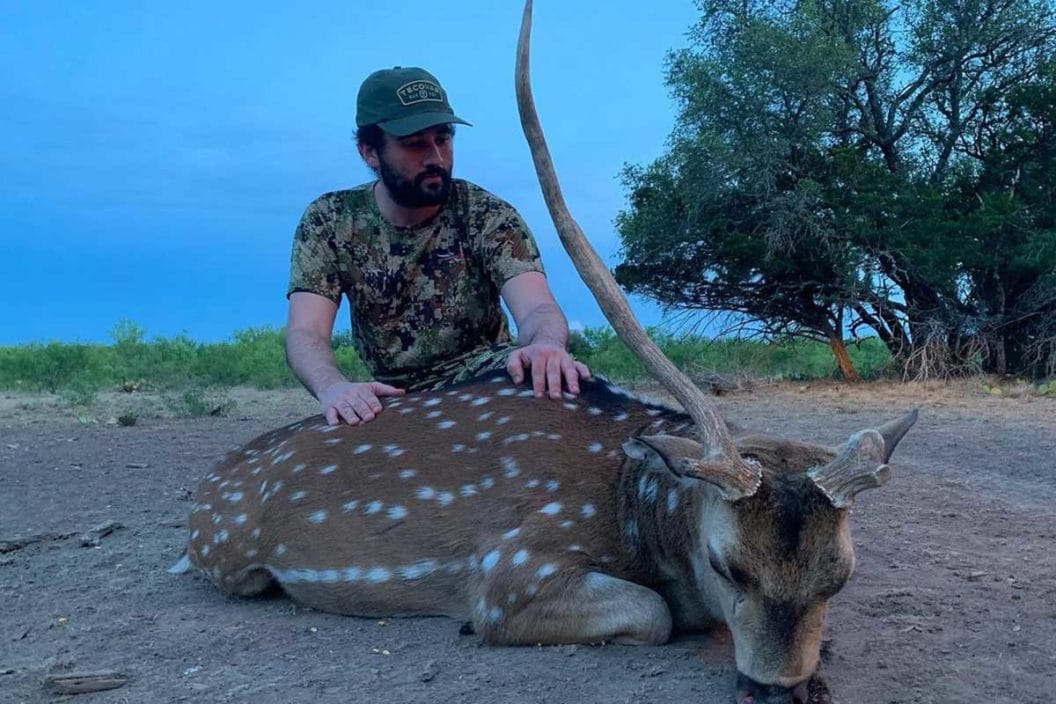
(423, 259)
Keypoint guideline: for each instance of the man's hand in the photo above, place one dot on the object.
(354, 403)
(549, 364)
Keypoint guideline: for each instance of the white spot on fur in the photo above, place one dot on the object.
(378, 575)
(328, 469)
(458, 447)
(485, 416)
(503, 420)
(432, 402)
(373, 507)
(350, 506)
(481, 437)
(396, 513)
(490, 560)
(520, 557)
(434, 414)
(507, 392)
(280, 550)
(393, 450)
(672, 500)
(531, 483)
(551, 509)
(594, 447)
(511, 534)
(552, 485)
(407, 473)
(444, 498)
(445, 424)
(404, 411)
(467, 490)
(487, 482)
(298, 468)
(565, 525)
(331, 441)
(546, 570)
(510, 468)
(588, 510)
(594, 411)
(240, 519)
(480, 401)
(425, 493)
(317, 516)
(620, 417)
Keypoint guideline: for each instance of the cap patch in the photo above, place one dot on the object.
(419, 92)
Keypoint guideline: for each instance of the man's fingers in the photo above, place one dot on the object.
(571, 373)
(515, 367)
(583, 369)
(331, 415)
(539, 378)
(380, 389)
(553, 376)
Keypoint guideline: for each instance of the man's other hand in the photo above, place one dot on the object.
(353, 402)
(549, 365)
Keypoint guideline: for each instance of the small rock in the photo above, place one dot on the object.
(92, 537)
(136, 465)
(976, 576)
(429, 672)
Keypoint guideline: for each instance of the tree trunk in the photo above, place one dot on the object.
(839, 350)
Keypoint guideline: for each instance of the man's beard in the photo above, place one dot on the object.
(412, 193)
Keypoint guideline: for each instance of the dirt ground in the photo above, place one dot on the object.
(953, 600)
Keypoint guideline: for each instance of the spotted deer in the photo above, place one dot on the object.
(600, 517)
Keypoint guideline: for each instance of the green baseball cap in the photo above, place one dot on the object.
(403, 101)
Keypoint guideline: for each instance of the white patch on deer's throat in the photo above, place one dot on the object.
(328, 469)
(551, 509)
(317, 516)
(407, 473)
(396, 513)
(520, 557)
(588, 510)
(672, 500)
(445, 424)
(510, 468)
(594, 447)
(425, 493)
(488, 562)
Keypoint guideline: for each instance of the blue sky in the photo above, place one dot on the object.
(156, 156)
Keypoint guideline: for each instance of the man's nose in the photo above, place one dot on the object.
(436, 156)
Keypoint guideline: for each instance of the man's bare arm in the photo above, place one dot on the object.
(309, 325)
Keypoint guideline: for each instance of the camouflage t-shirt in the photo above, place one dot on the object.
(424, 299)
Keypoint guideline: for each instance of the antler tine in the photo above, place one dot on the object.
(859, 466)
(713, 432)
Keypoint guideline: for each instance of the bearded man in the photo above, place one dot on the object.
(423, 260)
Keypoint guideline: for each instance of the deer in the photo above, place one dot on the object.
(597, 518)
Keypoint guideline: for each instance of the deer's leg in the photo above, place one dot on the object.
(571, 606)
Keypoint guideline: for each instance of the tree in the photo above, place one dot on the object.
(827, 168)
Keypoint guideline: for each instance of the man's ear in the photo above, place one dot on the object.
(369, 155)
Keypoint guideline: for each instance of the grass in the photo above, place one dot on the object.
(192, 373)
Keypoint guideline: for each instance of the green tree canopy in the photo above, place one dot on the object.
(856, 164)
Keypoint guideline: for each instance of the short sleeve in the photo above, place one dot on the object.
(507, 244)
(313, 261)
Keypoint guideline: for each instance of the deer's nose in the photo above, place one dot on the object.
(751, 692)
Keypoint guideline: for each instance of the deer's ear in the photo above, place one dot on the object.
(663, 452)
